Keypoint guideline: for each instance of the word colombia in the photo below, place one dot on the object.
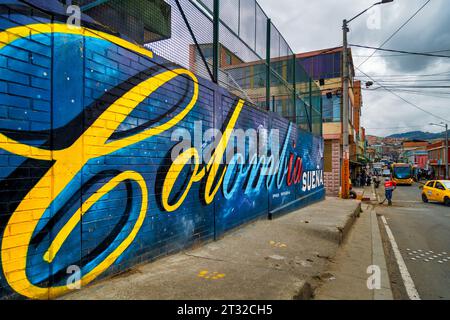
(234, 161)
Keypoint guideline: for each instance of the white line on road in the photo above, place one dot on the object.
(406, 201)
(407, 280)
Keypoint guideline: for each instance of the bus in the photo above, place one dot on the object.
(402, 174)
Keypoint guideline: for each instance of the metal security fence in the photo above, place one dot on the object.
(231, 42)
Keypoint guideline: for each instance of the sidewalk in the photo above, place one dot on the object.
(366, 193)
(280, 259)
(348, 275)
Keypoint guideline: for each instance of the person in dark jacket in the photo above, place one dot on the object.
(362, 181)
(369, 180)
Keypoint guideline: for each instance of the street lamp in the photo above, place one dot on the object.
(345, 107)
(444, 125)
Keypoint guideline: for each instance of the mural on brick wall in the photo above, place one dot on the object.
(88, 181)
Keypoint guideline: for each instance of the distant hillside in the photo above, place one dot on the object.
(418, 135)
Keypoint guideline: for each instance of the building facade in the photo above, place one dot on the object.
(325, 67)
(437, 159)
(89, 122)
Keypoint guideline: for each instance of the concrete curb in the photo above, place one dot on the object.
(345, 229)
(348, 275)
(308, 290)
(292, 252)
(338, 232)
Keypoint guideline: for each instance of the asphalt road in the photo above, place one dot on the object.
(422, 233)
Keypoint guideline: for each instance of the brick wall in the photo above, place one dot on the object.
(333, 178)
(88, 180)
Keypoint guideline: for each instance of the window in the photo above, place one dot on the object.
(228, 59)
(207, 52)
(439, 186)
(331, 109)
(328, 156)
(430, 184)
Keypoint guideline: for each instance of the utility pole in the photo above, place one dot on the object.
(345, 116)
(345, 185)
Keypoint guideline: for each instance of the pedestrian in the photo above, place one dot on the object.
(362, 181)
(369, 180)
(389, 187)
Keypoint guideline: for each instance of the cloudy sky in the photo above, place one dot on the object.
(310, 25)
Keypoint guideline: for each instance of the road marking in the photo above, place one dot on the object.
(210, 276)
(407, 280)
(407, 201)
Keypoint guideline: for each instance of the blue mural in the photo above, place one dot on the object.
(87, 177)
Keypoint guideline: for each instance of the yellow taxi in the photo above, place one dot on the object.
(438, 190)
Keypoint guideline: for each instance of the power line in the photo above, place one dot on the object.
(403, 99)
(408, 76)
(420, 93)
(396, 55)
(443, 93)
(409, 87)
(401, 51)
(397, 31)
(412, 81)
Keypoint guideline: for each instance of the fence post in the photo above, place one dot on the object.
(321, 114)
(216, 45)
(269, 30)
(294, 82)
(310, 105)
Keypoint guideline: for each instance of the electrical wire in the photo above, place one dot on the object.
(383, 86)
(412, 81)
(401, 51)
(396, 55)
(403, 99)
(419, 93)
(408, 76)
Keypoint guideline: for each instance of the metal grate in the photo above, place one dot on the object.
(143, 21)
(252, 64)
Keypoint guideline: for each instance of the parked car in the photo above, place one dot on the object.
(438, 190)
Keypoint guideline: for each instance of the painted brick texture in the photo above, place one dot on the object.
(333, 178)
(87, 176)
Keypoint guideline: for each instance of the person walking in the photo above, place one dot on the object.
(389, 187)
(369, 180)
(362, 179)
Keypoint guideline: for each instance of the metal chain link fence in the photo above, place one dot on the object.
(253, 60)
